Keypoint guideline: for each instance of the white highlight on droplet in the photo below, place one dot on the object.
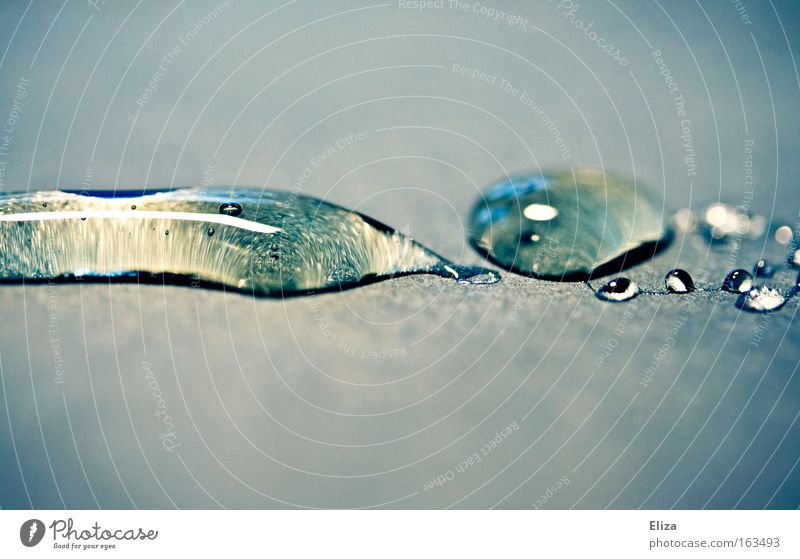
(540, 212)
(219, 219)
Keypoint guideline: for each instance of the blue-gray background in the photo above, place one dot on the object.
(390, 395)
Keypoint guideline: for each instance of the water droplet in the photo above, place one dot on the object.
(44, 204)
(292, 245)
(230, 208)
(567, 225)
(783, 234)
(679, 281)
(738, 281)
(761, 299)
(794, 258)
(133, 206)
(618, 290)
(763, 269)
(83, 218)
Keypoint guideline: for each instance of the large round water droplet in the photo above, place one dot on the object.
(618, 290)
(230, 208)
(678, 281)
(761, 299)
(738, 281)
(567, 225)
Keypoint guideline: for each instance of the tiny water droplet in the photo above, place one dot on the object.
(230, 208)
(565, 225)
(618, 290)
(133, 206)
(678, 281)
(210, 231)
(44, 204)
(738, 281)
(763, 269)
(761, 299)
(166, 231)
(83, 219)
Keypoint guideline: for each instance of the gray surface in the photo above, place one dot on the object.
(360, 398)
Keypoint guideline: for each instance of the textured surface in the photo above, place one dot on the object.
(415, 392)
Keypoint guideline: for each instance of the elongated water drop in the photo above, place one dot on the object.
(567, 225)
(288, 244)
(761, 299)
(678, 281)
(618, 290)
(738, 281)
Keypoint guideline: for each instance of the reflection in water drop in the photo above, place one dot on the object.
(618, 290)
(738, 281)
(761, 299)
(679, 281)
(292, 245)
(567, 225)
(230, 208)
